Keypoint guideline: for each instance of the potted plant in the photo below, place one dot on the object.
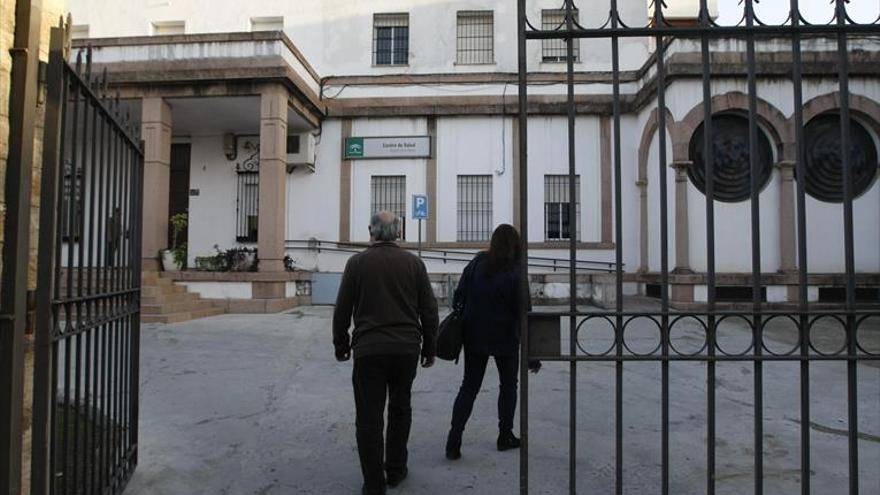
(174, 259)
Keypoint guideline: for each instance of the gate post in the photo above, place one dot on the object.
(16, 234)
(43, 348)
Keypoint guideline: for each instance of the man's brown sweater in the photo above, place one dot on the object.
(387, 291)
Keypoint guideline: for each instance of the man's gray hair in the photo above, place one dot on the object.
(384, 226)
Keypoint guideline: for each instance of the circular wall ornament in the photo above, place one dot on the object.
(730, 158)
(822, 146)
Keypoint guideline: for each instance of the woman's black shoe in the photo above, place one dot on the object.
(453, 446)
(507, 441)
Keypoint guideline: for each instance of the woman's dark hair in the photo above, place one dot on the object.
(505, 249)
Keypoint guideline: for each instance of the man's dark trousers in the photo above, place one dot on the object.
(373, 377)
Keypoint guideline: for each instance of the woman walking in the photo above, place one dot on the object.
(489, 291)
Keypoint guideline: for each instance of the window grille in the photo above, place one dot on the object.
(390, 39)
(554, 50)
(248, 206)
(475, 38)
(388, 192)
(474, 207)
(557, 219)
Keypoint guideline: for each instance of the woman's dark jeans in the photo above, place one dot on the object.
(474, 370)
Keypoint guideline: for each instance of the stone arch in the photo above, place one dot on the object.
(862, 106)
(651, 126)
(778, 128)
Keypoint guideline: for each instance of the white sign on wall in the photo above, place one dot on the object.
(357, 148)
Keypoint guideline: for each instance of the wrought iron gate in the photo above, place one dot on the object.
(88, 294)
(852, 319)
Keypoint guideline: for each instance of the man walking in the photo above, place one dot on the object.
(387, 291)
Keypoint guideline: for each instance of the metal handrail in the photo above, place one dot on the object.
(448, 255)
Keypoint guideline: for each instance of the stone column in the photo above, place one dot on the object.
(682, 236)
(156, 130)
(787, 248)
(273, 178)
(643, 225)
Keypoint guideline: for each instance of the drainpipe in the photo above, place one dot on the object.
(13, 296)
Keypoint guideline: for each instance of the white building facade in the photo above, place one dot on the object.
(284, 125)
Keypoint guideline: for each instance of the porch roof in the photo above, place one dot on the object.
(195, 64)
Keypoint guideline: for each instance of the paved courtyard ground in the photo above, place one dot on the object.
(256, 404)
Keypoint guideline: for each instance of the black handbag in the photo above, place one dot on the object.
(450, 334)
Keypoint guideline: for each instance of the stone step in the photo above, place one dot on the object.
(165, 290)
(174, 298)
(177, 307)
(182, 316)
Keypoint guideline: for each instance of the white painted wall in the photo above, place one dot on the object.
(212, 213)
(313, 198)
(336, 35)
(473, 146)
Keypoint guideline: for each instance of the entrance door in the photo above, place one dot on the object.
(178, 198)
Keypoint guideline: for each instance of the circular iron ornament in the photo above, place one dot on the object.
(764, 335)
(703, 346)
(815, 348)
(750, 325)
(578, 332)
(822, 147)
(730, 158)
(859, 344)
(659, 332)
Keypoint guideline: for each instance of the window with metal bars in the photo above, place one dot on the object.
(248, 206)
(475, 37)
(474, 207)
(390, 39)
(554, 50)
(388, 192)
(557, 215)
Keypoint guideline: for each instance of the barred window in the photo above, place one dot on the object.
(388, 192)
(475, 37)
(248, 206)
(390, 39)
(474, 207)
(554, 50)
(557, 216)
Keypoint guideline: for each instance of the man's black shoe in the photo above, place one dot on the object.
(507, 441)
(394, 479)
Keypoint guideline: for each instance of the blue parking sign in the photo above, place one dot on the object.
(419, 207)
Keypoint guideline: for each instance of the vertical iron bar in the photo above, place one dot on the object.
(522, 97)
(757, 334)
(44, 358)
(136, 318)
(76, 235)
(849, 251)
(572, 252)
(618, 254)
(659, 20)
(709, 164)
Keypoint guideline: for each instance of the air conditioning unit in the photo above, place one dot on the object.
(301, 152)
